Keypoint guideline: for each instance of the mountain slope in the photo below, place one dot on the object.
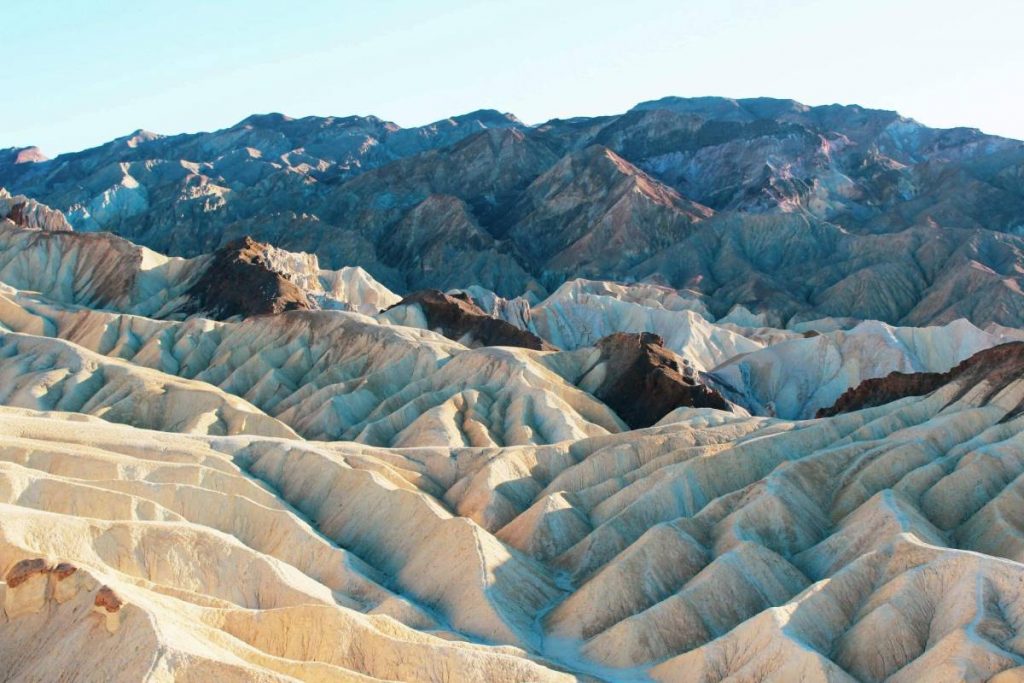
(818, 211)
(593, 213)
(794, 379)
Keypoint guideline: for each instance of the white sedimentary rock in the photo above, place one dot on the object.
(708, 546)
(192, 568)
(515, 310)
(30, 214)
(795, 378)
(103, 271)
(316, 495)
(580, 312)
(356, 288)
(52, 374)
(333, 374)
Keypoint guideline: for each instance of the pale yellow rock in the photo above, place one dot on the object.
(323, 497)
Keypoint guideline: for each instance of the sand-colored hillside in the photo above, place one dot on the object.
(880, 544)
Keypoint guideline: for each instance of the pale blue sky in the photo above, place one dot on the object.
(79, 72)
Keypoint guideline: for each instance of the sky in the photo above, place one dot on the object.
(81, 72)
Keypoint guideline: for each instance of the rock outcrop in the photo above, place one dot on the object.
(313, 489)
(837, 541)
(794, 378)
(992, 368)
(458, 318)
(107, 600)
(643, 381)
(25, 570)
(581, 312)
(594, 214)
(30, 214)
(324, 374)
(241, 280)
(100, 270)
(53, 374)
(21, 155)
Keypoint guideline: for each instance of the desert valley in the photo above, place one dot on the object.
(713, 389)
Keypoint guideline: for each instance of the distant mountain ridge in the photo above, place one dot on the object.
(788, 211)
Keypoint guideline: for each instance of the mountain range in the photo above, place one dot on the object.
(769, 206)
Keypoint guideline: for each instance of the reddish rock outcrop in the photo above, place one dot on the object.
(64, 570)
(644, 381)
(108, 600)
(997, 366)
(25, 570)
(28, 213)
(21, 155)
(240, 281)
(458, 318)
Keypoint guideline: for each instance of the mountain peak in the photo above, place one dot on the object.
(708, 107)
(21, 155)
(264, 120)
(489, 117)
(138, 137)
(660, 192)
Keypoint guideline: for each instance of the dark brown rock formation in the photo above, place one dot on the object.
(28, 213)
(108, 600)
(458, 318)
(996, 366)
(240, 281)
(25, 570)
(644, 381)
(64, 570)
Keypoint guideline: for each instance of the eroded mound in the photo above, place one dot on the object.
(704, 547)
(30, 214)
(643, 381)
(996, 367)
(458, 318)
(240, 280)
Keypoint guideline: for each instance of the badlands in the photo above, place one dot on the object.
(471, 437)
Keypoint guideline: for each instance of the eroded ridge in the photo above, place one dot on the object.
(872, 545)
